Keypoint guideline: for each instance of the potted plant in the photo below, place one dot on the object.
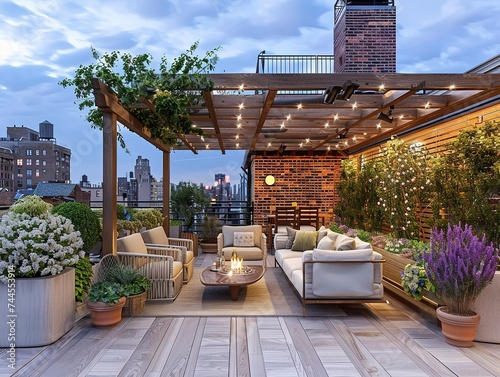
(105, 302)
(210, 229)
(135, 287)
(38, 251)
(459, 265)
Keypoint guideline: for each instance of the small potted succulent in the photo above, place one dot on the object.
(105, 302)
(135, 287)
(459, 265)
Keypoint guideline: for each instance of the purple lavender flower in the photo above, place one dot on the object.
(460, 265)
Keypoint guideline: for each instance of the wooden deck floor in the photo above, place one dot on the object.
(372, 340)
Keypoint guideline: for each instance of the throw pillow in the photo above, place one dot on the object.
(344, 242)
(243, 239)
(362, 244)
(304, 240)
(326, 243)
(291, 237)
(322, 232)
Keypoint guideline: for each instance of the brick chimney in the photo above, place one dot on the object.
(364, 36)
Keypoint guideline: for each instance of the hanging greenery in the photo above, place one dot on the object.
(172, 88)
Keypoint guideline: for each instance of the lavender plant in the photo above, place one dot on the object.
(460, 265)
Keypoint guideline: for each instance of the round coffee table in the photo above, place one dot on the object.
(233, 281)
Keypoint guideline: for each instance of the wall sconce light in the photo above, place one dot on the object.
(331, 94)
(386, 117)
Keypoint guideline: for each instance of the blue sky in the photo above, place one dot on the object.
(41, 42)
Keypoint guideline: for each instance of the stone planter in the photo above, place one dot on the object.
(42, 310)
(487, 306)
(175, 231)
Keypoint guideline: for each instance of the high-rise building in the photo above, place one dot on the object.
(37, 157)
(143, 176)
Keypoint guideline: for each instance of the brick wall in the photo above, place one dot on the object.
(365, 40)
(306, 180)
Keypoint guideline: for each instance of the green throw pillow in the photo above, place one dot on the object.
(304, 240)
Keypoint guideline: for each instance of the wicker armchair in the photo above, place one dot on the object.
(157, 237)
(161, 265)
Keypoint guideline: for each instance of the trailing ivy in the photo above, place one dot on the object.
(172, 89)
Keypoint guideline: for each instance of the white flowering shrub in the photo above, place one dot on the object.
(32, 246)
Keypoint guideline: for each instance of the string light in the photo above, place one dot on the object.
(238, 117)
(241, 87)
(354, 105)
(268, 145)
(238, 125)
(427, 105)
(299, 106)
(289, 117)
(452, 87)
(327, 125)
(379, 125)
(381, 88)
(282, 125)
(241, 106)
(237, 145)
(336, 117)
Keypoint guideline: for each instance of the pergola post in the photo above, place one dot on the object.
(109, 185)
(166, 192)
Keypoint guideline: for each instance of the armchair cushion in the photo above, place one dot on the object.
(228, 233)
(132, 243)
(243, 239)
(155, 235)
(304, 240)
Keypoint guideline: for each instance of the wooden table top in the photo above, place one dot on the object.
(208, 277)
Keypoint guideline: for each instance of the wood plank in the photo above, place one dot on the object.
(364, 362)
(195, 348)
(138, 363)
(306, 360)
(177, 361)
(256, 360)
(408, 346)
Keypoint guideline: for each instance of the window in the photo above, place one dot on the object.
(37, 172)
(29, 172)
(29, 183)
(28, 161)
(19, 162)
(44, 163)
(37, 152)
(37, 162)
(29, 152)
(44, 152)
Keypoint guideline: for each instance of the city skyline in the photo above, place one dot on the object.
(43, 43)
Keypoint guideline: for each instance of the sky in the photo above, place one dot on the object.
(43, 42)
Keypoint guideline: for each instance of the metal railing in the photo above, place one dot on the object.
(294, 63)
(229, 212)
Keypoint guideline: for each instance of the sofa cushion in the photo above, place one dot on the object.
(304, 240)
(343, 242)
(326, 243)
(283, 254)
(243, 239)
(291, 236)
(362, 244)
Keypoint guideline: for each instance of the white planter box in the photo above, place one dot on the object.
(42, 311)
(487, 306)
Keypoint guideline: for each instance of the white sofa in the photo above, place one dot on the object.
(335, 269)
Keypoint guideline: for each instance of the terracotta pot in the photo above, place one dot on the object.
(208, 247)
(105, 315)
(458, 330)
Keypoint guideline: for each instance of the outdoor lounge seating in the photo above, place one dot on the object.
(158, 237)
(328, 267)
(161, 265)
(249, 242)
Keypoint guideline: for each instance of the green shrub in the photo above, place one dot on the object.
(84, 220)
(149, 218)
(31, 205)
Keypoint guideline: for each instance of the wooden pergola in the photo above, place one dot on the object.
(276, 114)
